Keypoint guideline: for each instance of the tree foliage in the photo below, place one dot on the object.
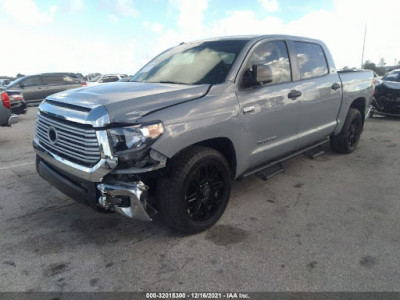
(369, 65)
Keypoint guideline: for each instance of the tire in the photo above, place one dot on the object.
(197, 190)
(347, 141)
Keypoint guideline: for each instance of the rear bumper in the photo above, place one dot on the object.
(18, 107)
(12, 120)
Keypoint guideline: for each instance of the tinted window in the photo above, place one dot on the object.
(311, 60)
(392, 77)
(52, 80)
(273, 55)
(31, 81)
(109, 79)
(58, 80)
(69, 80)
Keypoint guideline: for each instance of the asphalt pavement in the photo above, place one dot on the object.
(327, 224)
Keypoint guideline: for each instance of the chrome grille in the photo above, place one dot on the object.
(74, 142)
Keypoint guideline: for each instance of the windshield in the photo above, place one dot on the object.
(15, 82)
(391, 76)
(194, 63)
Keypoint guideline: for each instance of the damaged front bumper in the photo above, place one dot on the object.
(128, 199)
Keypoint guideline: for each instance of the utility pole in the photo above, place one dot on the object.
(362, 56)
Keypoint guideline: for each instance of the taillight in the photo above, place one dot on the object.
(6, 100)
(83, 83)
(373, 86)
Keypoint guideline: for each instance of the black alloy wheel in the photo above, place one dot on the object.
(347, 140)
(355, 132)
(196, 192)
(205, 191)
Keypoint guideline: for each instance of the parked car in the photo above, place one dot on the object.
(7, 118)
(125, 79)
(90, 76)
(103, 79)
(387, 95)
(4, 81)
(194, 118)
(37, 87)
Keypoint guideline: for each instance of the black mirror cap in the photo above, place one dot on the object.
(262, 73)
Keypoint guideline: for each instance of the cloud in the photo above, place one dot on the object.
(341, 28)
(269, 5)
(125, 8)
(119, 8)
(154, 27)
(74, 5)
(190, 18)
(26, 12)
(64, 54)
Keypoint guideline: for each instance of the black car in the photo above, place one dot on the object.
(37, 87)
(387, 95)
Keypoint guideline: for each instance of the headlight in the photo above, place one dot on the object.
(134, 138)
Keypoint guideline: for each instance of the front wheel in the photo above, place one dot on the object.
(347, 141)
(196, 193)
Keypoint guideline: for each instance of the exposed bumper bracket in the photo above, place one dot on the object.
(114, 197)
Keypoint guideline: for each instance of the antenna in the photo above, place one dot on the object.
(362, 56)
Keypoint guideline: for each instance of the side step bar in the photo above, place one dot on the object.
(273, 163)
(270, 172)
(314, 152)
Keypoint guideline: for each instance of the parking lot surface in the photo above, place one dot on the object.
(327, 224)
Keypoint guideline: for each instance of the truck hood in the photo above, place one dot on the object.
(126, 102)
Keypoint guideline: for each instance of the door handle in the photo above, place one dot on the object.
(294, 94)
(336, 86)
(249, 109)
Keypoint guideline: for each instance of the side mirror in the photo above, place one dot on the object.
(263, 73)
(259, 74)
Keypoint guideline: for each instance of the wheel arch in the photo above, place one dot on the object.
(360, 104)
(221, 144)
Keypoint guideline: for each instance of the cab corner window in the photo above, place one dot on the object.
(268, 64)
(311, 60)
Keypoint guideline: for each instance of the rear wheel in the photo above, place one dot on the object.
(197, 191)
(347, 140)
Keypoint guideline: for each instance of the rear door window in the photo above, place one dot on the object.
(311, 60)
(52, 80)
(31, 81)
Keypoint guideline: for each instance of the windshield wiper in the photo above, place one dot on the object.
(168, 81)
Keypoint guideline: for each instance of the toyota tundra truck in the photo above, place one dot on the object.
(193, 119)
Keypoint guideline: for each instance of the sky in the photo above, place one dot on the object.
(120, 36)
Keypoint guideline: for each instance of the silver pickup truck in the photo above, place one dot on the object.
(194, 118)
